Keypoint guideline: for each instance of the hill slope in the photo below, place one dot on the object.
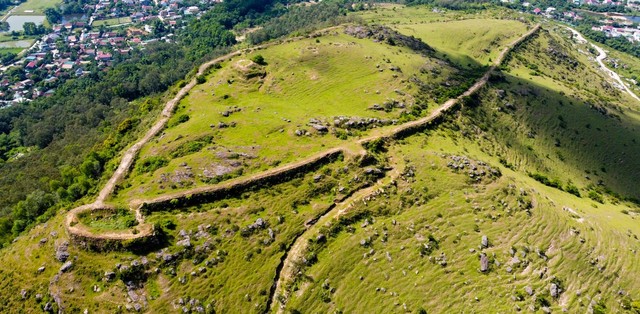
(364, 170)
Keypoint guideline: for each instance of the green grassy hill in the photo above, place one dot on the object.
(520, 200)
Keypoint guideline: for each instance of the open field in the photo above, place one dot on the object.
(385, 259)
(35, 7)
(15, 44)
(467, 42)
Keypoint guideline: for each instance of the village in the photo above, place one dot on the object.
(611, 24)
(87, 43)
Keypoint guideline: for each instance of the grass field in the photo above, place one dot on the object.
(415, 242)
(10, 50)
(467, 40)
(569, 121)
(337, 76)
(390, 274)
(35, 7)
(114, 21)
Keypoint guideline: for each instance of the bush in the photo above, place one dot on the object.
(572, 189)
(554, 183)
(259, 59)
(596, 196)
(200, 79)
(151, 164)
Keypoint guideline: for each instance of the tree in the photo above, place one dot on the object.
(53, 15)
(30, 28)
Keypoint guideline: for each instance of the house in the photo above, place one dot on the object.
(102, 56)
(68, 65)
(192, 10)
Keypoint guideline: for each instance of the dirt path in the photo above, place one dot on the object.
(601, 56)
(129, 156)
(300, 244)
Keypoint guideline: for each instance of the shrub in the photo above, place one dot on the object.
(554, 183)
(572, 189)
(151, 164)
(259, 59)
(596, 196)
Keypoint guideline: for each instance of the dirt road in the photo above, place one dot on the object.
(601, 56)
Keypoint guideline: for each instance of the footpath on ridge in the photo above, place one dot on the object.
(81, 232)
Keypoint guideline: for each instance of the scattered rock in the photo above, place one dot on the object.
(528, 290)
(484, 262)
(109, 275)
(184, 242)
(61, 252)
(23, 294)
(554, 290)
(484, 242)
(66, 266)
(41, 269)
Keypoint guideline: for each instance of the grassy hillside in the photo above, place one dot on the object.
(417, 245)
(248, 117)
(570, 123)
(516, 202)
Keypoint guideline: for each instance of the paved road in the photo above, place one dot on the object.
(601, 56)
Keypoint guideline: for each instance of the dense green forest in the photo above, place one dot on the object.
(54, 151)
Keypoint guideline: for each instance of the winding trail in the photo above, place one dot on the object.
(601, 56)
(76, 229)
